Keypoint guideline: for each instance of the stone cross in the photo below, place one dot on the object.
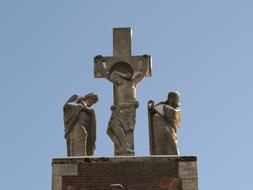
(125, 72)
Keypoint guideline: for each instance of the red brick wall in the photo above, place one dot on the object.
(133, 173)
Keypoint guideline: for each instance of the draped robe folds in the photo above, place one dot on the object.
(80, 128)
(163, 124)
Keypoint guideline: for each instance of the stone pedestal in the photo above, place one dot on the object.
(133, 173)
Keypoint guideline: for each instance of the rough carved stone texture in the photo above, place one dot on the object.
(80, 125)
(133, 173)
(125, 72)
(164, 119)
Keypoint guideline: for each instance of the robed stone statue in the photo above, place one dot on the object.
(164, 120)
(80, 125)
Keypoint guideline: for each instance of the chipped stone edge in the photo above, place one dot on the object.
(189, 184)
(188, 173)
(65, 169)
(93, 159)
(187, 169)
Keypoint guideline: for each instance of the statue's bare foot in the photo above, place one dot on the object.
(129, 152)
(125, 151)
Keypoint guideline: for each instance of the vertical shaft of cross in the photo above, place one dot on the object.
(122, 42)
(121, 47)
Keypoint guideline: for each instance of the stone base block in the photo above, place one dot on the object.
(133, 173)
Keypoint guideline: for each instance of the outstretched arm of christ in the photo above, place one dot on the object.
(138, 77)
(122, 75)
(116, 77)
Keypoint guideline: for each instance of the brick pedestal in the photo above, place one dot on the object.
(133, 173)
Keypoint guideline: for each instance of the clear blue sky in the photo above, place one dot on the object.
(204, 49)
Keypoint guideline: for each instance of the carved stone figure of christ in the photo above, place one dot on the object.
(125, 72)
(122, 121)
(125, 86)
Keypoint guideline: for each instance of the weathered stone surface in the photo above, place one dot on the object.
(132, 173)
(189, 184)
(65, 169)
(125, 72)
(187, 170)
(122, 42)
(57, 182)
(164, 119)
(80, 125)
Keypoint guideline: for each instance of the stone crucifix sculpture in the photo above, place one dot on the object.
(125, 72)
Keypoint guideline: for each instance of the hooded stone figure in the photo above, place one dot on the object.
(80, 125)
(164, 120)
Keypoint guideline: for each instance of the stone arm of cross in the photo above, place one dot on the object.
(101, 67)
